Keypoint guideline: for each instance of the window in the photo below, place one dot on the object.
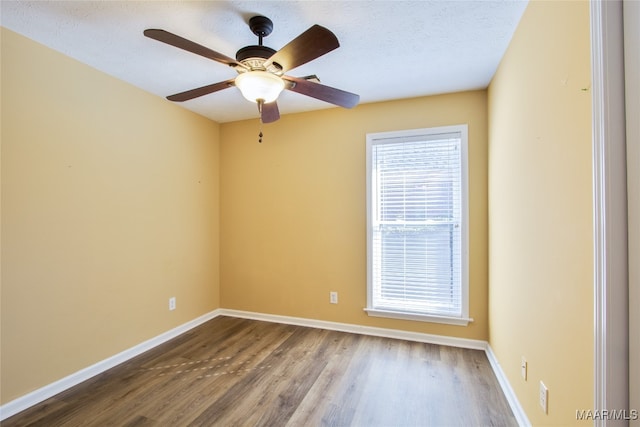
(417, 226)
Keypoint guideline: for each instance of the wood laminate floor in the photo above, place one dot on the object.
(238, 372)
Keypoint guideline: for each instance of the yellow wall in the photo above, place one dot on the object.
(540, 204)
(109, 207)
(293, 210)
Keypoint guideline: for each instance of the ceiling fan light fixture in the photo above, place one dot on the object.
(259, 85)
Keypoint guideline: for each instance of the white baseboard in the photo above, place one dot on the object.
(357, 329)
(37, 396)
(50, 390)
(517, 409)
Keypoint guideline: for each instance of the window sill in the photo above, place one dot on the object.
(458, 321)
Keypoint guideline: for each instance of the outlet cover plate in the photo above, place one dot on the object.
(333, 297)
(544, 397)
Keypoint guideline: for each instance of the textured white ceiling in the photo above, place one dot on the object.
(388, 49)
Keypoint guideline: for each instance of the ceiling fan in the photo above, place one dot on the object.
(261, 69)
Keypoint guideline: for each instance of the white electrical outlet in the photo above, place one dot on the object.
(172, 303)
(333, 297)
(523, 368)
(544, 397)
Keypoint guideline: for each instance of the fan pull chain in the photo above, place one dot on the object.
(260, 105)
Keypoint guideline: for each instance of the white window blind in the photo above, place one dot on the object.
(417, 222)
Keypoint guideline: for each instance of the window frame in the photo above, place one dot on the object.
(385, 137)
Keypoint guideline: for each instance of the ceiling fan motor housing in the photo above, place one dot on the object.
(254, 56)
(254, 51)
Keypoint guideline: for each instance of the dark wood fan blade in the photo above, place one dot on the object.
(204, 90)
(311, 44)
(189, 46)
(270, 112)
(322, 92)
